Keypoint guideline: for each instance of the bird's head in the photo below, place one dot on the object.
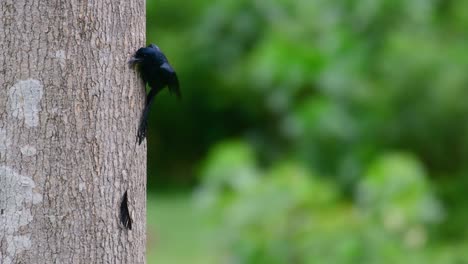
(144, 54)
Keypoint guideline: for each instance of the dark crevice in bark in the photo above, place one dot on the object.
(125, 218)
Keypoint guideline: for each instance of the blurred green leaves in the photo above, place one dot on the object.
(396, 184)
(336, 130)
(287, 214)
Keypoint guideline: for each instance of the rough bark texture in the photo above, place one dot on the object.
(69, 111)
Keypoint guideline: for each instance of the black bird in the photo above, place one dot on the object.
(155, 71)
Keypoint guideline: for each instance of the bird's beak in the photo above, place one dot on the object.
(133, 61)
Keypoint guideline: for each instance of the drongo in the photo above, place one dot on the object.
(155, 71)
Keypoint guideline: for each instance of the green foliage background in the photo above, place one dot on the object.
(317, 131)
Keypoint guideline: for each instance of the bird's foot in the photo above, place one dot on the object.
(142, 129)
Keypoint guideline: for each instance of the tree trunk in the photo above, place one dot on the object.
(72, 179)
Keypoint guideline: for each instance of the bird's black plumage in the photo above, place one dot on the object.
(155, 71)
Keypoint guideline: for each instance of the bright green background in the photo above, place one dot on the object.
(310, 131)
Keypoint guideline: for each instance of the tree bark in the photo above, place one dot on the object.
(72, 179)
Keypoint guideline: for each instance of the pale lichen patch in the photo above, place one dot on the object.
(16, 245)
(81, 186)
(28, 150)
(24, 101)
(60, 55)
(17, 196)
(3, 141)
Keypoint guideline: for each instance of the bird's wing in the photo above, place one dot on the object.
(153, 47)
(171, 76)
